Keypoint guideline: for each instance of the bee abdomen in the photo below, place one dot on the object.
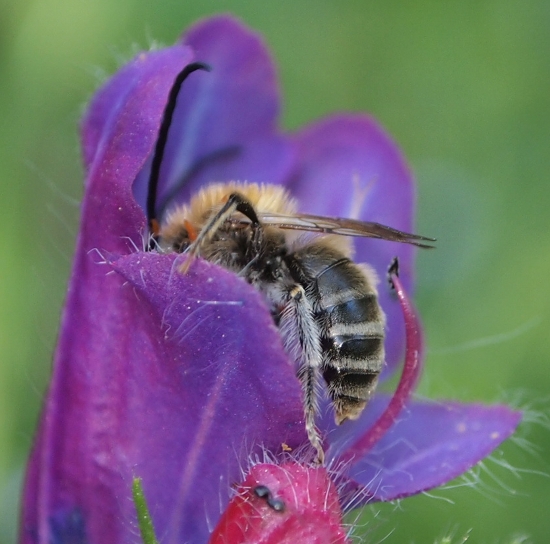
(351, 366)
(350, 321)
(349, 391)
(353, 336)
(356, 353)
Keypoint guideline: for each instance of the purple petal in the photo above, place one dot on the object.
(149, 388)
(118, 132)
(224, 126)
(349, 167)
(430, 445)
(117, 404)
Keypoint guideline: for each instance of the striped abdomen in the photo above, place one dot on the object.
(351, 323)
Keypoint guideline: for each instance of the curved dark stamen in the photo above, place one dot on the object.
(160, 145)
(409, 377)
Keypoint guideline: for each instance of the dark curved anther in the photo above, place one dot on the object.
(160, 145)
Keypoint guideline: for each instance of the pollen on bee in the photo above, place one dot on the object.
(154, 227)
(191, 230)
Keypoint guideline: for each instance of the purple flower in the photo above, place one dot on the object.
(179, 379)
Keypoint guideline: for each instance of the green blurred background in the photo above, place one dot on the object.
(462, 86)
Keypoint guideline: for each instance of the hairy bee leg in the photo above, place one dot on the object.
(235, 203)
(301, 336)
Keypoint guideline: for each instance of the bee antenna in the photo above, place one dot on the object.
(160, 145)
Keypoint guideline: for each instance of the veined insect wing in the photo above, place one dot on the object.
(344, 227)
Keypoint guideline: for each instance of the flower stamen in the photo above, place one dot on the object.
(409, 377)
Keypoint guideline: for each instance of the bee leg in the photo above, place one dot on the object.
(301, 337)
(235, 203)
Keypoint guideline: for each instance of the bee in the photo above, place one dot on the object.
(325, 305)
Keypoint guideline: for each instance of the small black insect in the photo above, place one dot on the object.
(263, 492)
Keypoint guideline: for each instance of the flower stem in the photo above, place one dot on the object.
(144, 517)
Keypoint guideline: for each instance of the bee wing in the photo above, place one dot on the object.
(344, 227)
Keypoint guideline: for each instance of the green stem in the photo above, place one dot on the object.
(144, 517)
